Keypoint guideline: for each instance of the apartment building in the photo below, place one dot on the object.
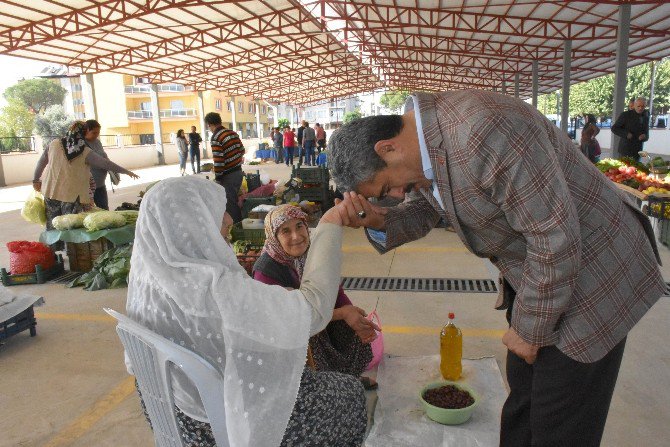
(73, 103)
(331, 113)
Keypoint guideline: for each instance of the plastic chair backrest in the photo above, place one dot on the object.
(151, 356)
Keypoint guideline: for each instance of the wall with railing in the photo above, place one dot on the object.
(129, 151)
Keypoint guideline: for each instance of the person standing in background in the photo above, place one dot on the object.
(308, 144)
(228, 156)
(289, 144)
(320, 138)
(632, 128)
(99, 175)
(301, 151)
(182, 151)
(278, 142)
(194, 140)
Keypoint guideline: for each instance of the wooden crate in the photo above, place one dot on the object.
(82, 255)
(39, 277)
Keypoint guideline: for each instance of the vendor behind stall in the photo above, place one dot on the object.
(67, 163)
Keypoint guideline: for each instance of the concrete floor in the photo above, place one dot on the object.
(68, 385)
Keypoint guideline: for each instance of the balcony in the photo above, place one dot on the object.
(165, 113)
(162, 88)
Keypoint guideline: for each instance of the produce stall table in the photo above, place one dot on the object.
(265, 154)
(17, 314)
(399, 420)
(83, 248)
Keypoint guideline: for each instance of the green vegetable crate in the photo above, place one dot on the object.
(39, 277)
(313, 176)
(255, 237)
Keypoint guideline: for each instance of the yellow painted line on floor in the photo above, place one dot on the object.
(75, 317)
(370, 249)
(100, 409)
(424, 330)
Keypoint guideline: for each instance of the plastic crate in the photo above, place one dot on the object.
(659, 207)
(253, 181)
(19, 323)
(255, 237)
(664, 237)
(39, 277)
(316, 175)
(319, 194)
(252, 202)
(247, 262)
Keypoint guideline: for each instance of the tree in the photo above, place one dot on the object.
(36, 94)
(283, 123)
(394, 100)
(52, 123)
(351, 116)
(16, 126)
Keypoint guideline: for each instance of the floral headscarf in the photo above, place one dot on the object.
(74, 141)
(275, 219)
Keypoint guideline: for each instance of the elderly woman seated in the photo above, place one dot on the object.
(344, 346)
(186, 284)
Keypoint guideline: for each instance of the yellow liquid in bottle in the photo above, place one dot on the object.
(451, 352)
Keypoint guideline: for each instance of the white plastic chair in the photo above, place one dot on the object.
(150, 355)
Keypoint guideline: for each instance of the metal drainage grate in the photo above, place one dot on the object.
(420, 284)
(65, 278)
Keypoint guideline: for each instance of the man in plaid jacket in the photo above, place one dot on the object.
(579, 258)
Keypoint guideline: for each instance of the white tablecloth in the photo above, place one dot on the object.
(399, 420)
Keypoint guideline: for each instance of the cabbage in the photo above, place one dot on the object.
(34, 209)
(103, 220)
(130, 215)
(68, 221)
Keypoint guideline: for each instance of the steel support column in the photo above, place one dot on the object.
(259, 129)
(201, 123)
(504, 87)
(565, 105)
(535, 82)
(621, 70)
(651, 93)
(158, 131)
(88, 92)
(516, 85)
(234, 113)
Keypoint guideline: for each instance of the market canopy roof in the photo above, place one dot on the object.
(303, 51)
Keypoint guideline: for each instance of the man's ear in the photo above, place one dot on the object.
(384, 147)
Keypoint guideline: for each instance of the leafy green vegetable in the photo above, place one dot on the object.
(110, 270)
(103, 220)
(608, 163)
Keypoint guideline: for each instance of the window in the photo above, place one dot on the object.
(240, 107)
(230, 106)
(145, 105)
(251, 107)
(217, 104)
(263, 108)
(177, 104)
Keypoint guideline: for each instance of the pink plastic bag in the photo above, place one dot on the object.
(378, 344)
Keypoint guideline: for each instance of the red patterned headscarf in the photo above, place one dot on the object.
(275, 219)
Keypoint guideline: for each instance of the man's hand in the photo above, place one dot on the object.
(37, 185)
(355, 317)
(354, 204)
(131, 174)
(642, 137)
(518, 346)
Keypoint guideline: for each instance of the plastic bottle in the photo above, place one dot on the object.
(451, 350)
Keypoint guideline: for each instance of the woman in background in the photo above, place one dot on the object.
(182, 151)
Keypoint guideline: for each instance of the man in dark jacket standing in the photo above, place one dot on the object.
(194, 140)
(632, 128)
(301, 150)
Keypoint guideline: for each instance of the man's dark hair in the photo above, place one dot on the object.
(352, 157)
(192, 127)
(91, 124)
(213, 118)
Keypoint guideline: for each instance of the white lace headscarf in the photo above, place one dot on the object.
(186, 284)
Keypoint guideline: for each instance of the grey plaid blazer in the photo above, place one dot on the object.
(580, 255)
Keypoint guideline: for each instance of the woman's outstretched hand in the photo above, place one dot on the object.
(355, 317)
(356, 211)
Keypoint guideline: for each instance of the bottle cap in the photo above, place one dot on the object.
(451, 315)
